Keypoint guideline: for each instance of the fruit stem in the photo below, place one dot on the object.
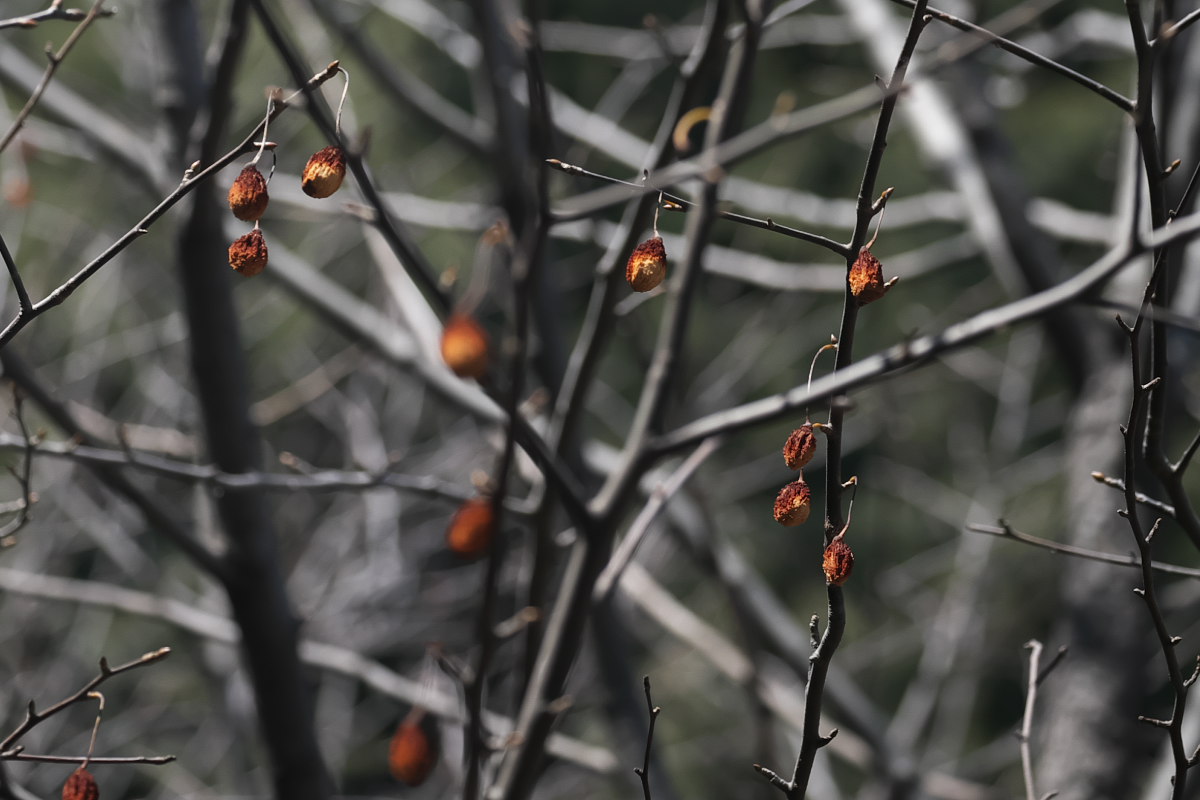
(337, 124)
(811, 367)
(95, 729)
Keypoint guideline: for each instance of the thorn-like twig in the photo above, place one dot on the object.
(774, 778)
(33, 717)
(643, 771)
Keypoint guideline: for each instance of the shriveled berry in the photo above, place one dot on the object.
(838, 561)
(413, 752)
(866, 278)
(324, 172)
(799, 448)
(470, 532)
(793, 504)
(248, 255)
(248, 196)
(465, 347)
(81, 785)
(647, 265)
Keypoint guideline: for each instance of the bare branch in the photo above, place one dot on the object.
(1007, 532)
(55, 58)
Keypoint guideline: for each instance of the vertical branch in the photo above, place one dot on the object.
(566, 626)
(598, 323)
(1026, 735)
(643, 772)
(826, 643)
(254, 576)
(1138, 412)
(24, 304)
(523, 186)
(836, 614)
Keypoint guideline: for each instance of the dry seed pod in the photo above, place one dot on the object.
(248, 196)
(470, 532)
(647, 265)
(324, 172)
(866, 278)
(838, 561)
(793, 504)
(799, 448)
(81, 785)
(248, 255)
(413, 752)
(465, 347)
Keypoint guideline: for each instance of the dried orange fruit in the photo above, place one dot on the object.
(324, 172)
(838, 561)
(866, 278)
(793, 504)
(470, 532)
(413, 752)
(248, 255)
(799, 448)
(647, 265)
(81, 785)
(465, 347)
(248, 196)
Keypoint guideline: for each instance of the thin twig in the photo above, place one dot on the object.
(643, 771)
(211, 475)
(55, 59)
(1176, 29)
(1117, 99)
(14, 274)
(678, 203)
(636, 534)
(185, 187)
(1004, 531)
(23, 475)
(868, 370)
(334, 659)
(33, 717)
(54, 11)
(84, 760)
(1144, 499)
(1026, 735)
